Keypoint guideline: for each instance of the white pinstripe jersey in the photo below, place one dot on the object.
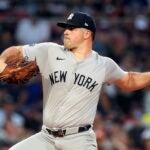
(71, 88)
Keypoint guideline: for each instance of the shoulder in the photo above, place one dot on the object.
(102, 59)
(51, 45)
(44, 45)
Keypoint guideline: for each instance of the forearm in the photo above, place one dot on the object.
(139, 80)
(10, 54)
(134, 81)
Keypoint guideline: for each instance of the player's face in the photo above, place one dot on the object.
(73, 37)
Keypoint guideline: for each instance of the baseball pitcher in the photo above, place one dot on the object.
(72, 77)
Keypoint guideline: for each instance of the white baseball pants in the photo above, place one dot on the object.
(44, 141)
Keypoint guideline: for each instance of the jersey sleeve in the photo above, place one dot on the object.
(36, 51)
(39, 52)
(113, 71)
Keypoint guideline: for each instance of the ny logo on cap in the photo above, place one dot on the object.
(70, 16)
(86, 24)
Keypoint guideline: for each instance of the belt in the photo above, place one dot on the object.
(68, 131)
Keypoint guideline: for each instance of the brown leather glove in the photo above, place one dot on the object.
(19, 71)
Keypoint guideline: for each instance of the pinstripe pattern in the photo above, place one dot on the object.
(70, 100)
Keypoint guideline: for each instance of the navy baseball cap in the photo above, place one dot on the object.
(79, 20)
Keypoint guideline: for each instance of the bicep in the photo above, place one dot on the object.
(11, 53)
(113, 72)
(134, 81)
(123, 82)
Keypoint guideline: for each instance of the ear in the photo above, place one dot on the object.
(87, 34)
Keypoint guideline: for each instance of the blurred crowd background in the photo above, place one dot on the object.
(123, 33)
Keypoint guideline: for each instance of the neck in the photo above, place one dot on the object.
(82, 51)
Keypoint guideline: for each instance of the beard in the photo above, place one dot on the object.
(68, 45)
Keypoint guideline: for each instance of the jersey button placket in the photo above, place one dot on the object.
(72, 76)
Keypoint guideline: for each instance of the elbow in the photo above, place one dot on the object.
(130, 88)
(123, 86)
(127, 89)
